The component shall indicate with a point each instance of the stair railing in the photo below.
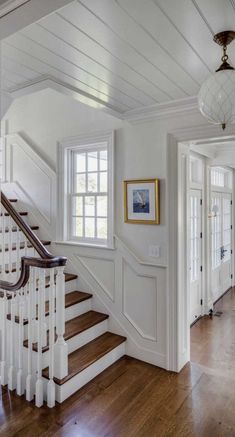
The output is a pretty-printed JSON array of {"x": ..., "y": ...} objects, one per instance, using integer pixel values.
[{"x": 32, "y": 310}]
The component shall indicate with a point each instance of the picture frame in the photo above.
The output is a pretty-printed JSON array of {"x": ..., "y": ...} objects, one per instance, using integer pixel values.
[{"x": 142, "y": 201}]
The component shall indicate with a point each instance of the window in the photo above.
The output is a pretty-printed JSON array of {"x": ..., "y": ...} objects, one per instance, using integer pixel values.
[
  {"x": 88, "y": 190},
  {"x": 221, "y": 177}
]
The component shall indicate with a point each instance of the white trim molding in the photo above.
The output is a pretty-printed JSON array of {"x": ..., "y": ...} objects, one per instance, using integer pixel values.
[{"x": 163, "y": 110}]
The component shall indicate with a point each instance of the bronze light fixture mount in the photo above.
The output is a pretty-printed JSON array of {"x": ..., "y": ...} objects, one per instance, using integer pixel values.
[{"x": 224, "y": 39}]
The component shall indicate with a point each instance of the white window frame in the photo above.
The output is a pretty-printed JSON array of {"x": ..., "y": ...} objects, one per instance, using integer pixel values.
[{"x": 65, "y": 147}]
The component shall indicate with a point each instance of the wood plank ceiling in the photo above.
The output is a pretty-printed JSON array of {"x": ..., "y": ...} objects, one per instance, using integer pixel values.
[{"x": 125, "y": 54}]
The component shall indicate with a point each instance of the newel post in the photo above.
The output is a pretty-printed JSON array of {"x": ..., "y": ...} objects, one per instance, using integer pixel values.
[{"x": 61, "y": 347}]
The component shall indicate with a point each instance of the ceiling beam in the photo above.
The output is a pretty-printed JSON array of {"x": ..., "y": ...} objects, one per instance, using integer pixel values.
[{"x": 25, "y": 13}]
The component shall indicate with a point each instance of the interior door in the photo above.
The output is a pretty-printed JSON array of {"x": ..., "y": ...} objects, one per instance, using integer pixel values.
[
  {"x": 221, "y": 239},
  {"x": 195, "y": 254}
]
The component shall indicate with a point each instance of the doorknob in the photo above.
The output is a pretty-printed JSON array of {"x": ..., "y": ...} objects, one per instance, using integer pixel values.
[{"x": 222, "y": 252}]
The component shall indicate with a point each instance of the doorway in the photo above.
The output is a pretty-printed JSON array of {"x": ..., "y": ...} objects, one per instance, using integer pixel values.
[
  {"x": 221, "y": 243},
  {"x": 217, "y": 150}
]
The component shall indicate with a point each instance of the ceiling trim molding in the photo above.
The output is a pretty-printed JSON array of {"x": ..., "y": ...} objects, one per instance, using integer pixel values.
[
  {"x": 163, "y": 110},
  {"x": 47, "y": 81}
]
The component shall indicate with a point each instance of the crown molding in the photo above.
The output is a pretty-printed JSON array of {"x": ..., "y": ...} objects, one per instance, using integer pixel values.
[{"x": 163, "y": 110}]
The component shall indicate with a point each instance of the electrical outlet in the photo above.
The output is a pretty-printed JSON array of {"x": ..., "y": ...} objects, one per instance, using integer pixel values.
[{"x": 154, "y": 251}]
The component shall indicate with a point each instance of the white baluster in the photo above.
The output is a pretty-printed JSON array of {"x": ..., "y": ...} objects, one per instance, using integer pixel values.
[
  {"x": 41, "y": 309},
  {"x": 12, "y": 370},
  {"x": 19, "y": 383},
  {"x": 17, "y": 251},
  {"x": 51, "y": 384},
  {"x": 10, "y": 247},
  {"x": 3, "y": 244},
  {"x": 61, "y": 347},
  {"x": 4, "y": 376},
  {"x": 29, "y": 378}
]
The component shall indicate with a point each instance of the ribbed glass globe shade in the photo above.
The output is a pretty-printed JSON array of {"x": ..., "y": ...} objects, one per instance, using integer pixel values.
[{"x": 216, "y": 97}]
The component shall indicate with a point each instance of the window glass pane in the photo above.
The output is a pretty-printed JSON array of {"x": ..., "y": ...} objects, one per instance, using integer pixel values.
[
  {"x": 90, "y": 227},
  {"x": 103, "y": 160},
  {"x": 89, "y": 206},
  {"x": 81, "y": 162},
  {"x": 92, "y": 182},
  {"x": 102, "y": 228},
  {"x": 103, "y": 182},
  {"x": 77, "y": 206},
  {"x": 78, "y": 226},
  {"x": 102, "y": 206},
  {"x": 92, "y": 161},
  {"x": 80, "y": 183}
]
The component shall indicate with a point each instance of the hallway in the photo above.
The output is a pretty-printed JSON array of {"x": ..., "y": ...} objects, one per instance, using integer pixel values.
[
  {"x": 213, "y": 340},
  {"x": 135, "y": 399}
]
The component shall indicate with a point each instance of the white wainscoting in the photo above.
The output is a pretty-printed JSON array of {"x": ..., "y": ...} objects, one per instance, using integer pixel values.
[
  {"x": 132, "y": 292},
  {"x": 34, "y": 182}
]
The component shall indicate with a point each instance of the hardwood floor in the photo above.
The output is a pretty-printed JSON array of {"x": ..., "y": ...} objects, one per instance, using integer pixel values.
[{"x": 134, "y": 399}]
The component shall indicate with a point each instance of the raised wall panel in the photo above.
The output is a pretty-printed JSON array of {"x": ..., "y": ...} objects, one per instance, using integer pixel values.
[{"x": 140, "y": 301}]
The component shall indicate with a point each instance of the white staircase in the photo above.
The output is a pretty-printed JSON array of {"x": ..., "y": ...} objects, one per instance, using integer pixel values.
[{"x": 52, "y": 340}]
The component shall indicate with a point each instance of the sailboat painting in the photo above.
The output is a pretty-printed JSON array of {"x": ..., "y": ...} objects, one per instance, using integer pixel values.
[{"x": 141, "y": 201}]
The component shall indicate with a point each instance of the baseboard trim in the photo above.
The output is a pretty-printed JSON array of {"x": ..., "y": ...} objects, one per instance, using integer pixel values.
[{"x": 222, "y": 295}]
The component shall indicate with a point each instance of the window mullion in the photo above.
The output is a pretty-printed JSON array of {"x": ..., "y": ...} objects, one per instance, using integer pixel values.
[{"x": 96, "y": 216}]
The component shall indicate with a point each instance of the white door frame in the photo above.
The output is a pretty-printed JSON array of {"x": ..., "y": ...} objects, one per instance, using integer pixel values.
[{"x": 177, "y": 301}]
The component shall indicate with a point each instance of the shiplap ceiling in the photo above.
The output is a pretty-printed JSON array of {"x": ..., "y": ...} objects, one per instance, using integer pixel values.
[{"x": 121, "y": 54}]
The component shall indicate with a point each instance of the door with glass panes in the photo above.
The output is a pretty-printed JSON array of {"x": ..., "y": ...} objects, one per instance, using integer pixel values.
[
  {"x": 195, "y": 254},
  {"x": 221, "y": 239}
]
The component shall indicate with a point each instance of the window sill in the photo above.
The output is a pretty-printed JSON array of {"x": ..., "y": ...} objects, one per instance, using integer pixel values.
[{"x": 79, "y": 244}]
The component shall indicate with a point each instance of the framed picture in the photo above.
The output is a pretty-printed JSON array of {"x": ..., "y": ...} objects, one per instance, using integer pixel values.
[{"x": 141, "y": 201}]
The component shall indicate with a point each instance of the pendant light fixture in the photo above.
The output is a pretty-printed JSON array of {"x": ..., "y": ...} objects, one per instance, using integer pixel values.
[{"x": 216, "y": 99}]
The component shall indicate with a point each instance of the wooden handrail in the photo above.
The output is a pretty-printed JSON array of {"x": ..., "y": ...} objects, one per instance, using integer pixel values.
[
  {"x": 46, "y": 261},
  {"x": 25, "y": 228}
]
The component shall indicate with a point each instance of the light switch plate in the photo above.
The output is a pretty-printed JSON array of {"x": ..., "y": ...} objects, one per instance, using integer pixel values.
[{"x": 154, "y": 251}]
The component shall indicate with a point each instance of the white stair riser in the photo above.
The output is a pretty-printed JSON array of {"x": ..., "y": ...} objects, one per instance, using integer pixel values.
[
  {"x": 70, "y": 313},
  {"x": 5, "y": 220},
  {"x": 74, "y": 343},
  {"x": 13, "y": 255},
  {"x": 78, "y": 309},
  {"x": 14, "y": 236},
  {"x": 66, "y": 390}
]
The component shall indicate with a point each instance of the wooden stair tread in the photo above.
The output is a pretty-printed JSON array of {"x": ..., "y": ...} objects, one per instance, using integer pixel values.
[
  {"x": 76, "y": 326},
  {"x": 22, "y": 213},
  {"x": 33, "y": 228},
  {"x": 22, "y": 246},
  {"x": 68, "y": 277},
  {"x": 71, "y": 299},
  {"x": 88, "y": 354}
]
